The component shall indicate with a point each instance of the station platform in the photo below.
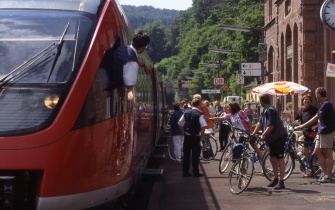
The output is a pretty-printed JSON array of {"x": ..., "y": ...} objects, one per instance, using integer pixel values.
[{"x": 171, "y": 191}]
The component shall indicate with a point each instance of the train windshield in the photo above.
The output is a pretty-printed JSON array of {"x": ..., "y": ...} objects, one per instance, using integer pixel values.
[
  {"x": 41, "y": 52},
  {"x": 41, "y": 47}
]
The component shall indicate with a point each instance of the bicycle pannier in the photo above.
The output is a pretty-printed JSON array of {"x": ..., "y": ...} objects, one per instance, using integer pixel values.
[{"x": 237, "y": 151}]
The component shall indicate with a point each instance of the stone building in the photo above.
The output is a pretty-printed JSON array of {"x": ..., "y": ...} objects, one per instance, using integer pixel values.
[{"x": 299, "y": 46}]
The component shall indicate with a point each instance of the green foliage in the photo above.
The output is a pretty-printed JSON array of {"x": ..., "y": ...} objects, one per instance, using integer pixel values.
[
  {"x": 142, "y": 15},
  {"x": 184, "y": 47}
]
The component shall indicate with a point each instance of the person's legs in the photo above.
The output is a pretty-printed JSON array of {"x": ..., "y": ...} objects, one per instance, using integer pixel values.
[
  {"x": 177, "y": 146},
  {"x": 320, "y": 156},
  {"x": 196, "y": 149},
  {"x": 329, "y": 161},
  {"x": 187, "y": 155},
  {"x": 257, "y": 150},
  {"x": 326, "y": 144}
]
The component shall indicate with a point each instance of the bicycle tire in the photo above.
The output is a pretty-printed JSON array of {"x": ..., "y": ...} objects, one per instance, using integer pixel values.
[
  {"x": 240, "y": 175},
  {"x": 215, "y": 147},
  {"x": 226, "y": 158},
  {"x": 267, "y": 167},
  {"x": 207, "y": 145}
]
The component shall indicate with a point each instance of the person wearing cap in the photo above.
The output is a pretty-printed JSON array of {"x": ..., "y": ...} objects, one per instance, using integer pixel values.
[{"x": 248, "y": 111}]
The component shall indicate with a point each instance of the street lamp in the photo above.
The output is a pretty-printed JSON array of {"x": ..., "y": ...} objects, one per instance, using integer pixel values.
[
  {"x": 227, "y": 52},
  {"x": 261, "y": 45}
]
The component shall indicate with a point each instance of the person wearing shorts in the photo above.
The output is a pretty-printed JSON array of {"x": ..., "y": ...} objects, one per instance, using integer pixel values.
[
  {"x": 326, "y": 131},
  {"x": 275, "y": 135}
]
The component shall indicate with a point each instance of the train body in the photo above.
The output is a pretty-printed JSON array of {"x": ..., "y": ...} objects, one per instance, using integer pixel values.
[{"x": 67, "y": 141}]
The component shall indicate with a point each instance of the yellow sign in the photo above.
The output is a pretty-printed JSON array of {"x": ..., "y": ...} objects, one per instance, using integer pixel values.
[{"x": 226, "y": 88}]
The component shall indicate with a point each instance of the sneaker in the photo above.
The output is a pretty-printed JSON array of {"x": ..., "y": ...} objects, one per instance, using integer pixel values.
[
  {"x": 325, "y": 179},
  {"x": 279, "y": 185},
  {"x": 198, "y": 175},
  {"x": 321, "y": 178},
  {"x": 273, "y": 183},
  {"x": 186, "y": 174},
  {"x": 308, "y": 174}
]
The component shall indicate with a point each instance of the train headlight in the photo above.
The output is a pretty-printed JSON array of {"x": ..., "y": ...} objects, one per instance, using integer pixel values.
[{"x": 51, "y": 101}]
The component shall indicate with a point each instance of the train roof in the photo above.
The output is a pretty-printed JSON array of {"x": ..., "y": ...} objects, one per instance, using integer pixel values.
[{"x": 90, "y": 6}]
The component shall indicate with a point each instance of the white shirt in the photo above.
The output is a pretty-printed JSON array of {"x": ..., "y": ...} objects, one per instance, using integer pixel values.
[
  {"x": 130, "y": 71},
  {"x": 202, "y": 120}
]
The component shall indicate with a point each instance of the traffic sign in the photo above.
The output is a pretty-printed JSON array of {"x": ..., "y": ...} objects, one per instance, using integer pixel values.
[
  {"x": 251, "y": 66},
  {"x": 251, "y": 69},
  {"x": 262, "y": 47},
  {"x": 226, "y": 88},
  {"x": 239, "y": 79},
  {"x": 252, "y": 73},
  {"x": 211, "y": 91},
  {"x": 218, "y": 81}
]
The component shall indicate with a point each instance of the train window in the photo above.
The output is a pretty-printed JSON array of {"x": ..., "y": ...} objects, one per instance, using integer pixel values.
[{"x": 41, "y": 47}]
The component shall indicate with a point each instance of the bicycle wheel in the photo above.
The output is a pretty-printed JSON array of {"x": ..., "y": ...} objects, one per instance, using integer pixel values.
[
  {"x": 208, "y": 147},
  {"x": 267, "y": 166},
  {"x": 214, "y": 143},
  {"x": 240, "y": 175},
  {"x": 226, "y": 158}
]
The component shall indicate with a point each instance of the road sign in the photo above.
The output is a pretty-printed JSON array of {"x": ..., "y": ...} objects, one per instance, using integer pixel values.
[
  {"x": 239, "y": 79},
  {"x": 261, "y": 57},
  {"x": 251, "y": 69},
  {"x": 218, "y": 81},
  {"x": 211, "y": 91},
  {"x": 252, "y": 73},
  {"x": 262, "y": 47},
  {"x": 251, "y": 66},
  {"x": 226, "y": 88}
]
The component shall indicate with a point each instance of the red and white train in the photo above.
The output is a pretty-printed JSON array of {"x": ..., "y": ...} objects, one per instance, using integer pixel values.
[{"x": 66, "y": 140}]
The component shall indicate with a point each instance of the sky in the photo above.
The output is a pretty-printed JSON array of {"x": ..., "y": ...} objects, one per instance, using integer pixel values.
[{"x": 160, "y": 4}]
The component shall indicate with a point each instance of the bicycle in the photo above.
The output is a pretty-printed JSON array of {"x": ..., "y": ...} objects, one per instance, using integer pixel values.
[
  {"x": 227, "y": 153},
  {"x": 209, "y": 146},
  {"x": 242, "y": 171},
  {"x": 291, "y": 154}
]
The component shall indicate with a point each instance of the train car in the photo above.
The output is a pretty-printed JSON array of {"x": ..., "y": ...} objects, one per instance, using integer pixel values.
[{"x": 67, "y": 140}]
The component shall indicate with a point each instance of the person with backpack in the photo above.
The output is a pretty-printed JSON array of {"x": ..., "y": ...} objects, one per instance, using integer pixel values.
[{"x": 192, "y": 125}]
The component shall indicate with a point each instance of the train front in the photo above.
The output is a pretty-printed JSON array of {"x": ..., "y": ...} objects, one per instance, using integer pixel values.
[{"x": 41, "y": 52}]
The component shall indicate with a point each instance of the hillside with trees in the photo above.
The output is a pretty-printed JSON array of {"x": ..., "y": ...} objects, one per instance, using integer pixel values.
[
  {"x": 183, "y": 46},
  {"x": 142, "y": 15}
]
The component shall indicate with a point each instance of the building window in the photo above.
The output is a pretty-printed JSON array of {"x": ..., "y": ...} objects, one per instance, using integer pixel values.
[{"x": 287, "y": 7}]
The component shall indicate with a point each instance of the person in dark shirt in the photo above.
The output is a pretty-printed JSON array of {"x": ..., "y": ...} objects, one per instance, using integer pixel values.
[
  {"x": 177, "y": 136},
  {"x": 326, "y": 131},
  {"x": 275, "y": 135},
  {"x": 308, "y": 111},
  {"x": 125, "y": 61}
]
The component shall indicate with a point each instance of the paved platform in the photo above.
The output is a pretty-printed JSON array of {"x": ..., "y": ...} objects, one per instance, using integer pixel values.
[{"x": 171, "y": 191}]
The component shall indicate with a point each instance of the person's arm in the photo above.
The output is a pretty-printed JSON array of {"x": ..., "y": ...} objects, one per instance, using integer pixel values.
[
  {"x": 257, "y": 128},
  {"x": 310, "y": 122},
  {"x": 215, "y": 118},
  {"x": 147, "y": 69}
]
